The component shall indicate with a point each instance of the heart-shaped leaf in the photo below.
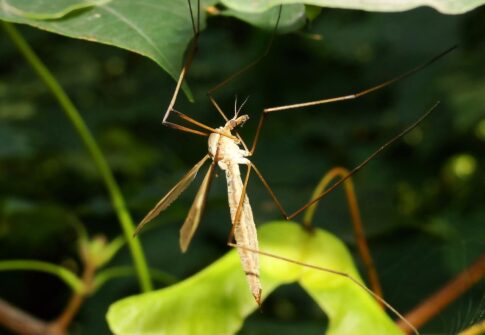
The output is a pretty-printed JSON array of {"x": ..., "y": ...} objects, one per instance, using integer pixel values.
[
  {"x": 160, "y": 30},
  {"x": 217, "y": 300}
]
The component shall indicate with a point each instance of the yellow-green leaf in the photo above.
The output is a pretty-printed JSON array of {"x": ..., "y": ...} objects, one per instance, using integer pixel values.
[{"x": 217, "y": 300}]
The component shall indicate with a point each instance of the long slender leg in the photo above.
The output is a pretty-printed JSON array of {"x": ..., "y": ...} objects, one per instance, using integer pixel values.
[
  {"x": 253, "y": 63},
  {"x": 354, "y": 212},
  {"x": 183, "y": 73},
  {"x": 318, "y": 197},
  {"x": 376, "y": 293},
  {"x": 356, "y": 219},
  {"x": 242, "y": 71},
  {"x": 266, "y": 111},
  {"x": 338, "y": 273},
  {"x": 364, "y": 163},
  {"x": 363, "y": 92},
  {"x": 190, "y": 57},
  {"x": 237, "y": 216},
  {"x": 244, "y": 229},
  {"x": 344, "y": 178},
  {"x": 200, "y": 124}
]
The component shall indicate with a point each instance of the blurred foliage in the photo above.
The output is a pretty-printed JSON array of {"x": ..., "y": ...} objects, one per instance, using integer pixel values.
[{"x": 422, "y": 201}]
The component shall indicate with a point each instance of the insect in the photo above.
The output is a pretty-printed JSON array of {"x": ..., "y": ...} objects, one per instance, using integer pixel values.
[{"x": 227, "y": 150}]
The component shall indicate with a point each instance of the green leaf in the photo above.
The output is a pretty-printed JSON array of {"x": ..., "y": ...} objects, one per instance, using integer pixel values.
[
  {"x": 64, "y": 274},
  {"x": 443, "y": 6},
  {"x": 98, "y": 251},
  {"x": 45, "y": 9},
  {"x": 293, "y": 17},
  {"x": 217, "y": 299},
  {"x": 159, "y": 30}
]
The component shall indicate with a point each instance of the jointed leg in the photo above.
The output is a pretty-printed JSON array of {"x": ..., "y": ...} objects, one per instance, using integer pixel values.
[
  {"x": 364, "y": 163},
  {"x": 244, "y": 231},
  {"x": 362, "y": 246},
  {"x": 354, "y": 212},
  {"x": 376, "y": 292},
  {"x": 345, "y": 177},
  {"x": 318, "y": 197},
  {"x": 190, "y": 56},
  {"x": 338, "y": 273},
  {"x": 253, "y": 63},
  {"x": 191, "y": 53},
  {"x": 363, "y": 92},
  {"x": 237, "y": 216},
  {"x": 200, "y": 124},
  {"x": 342, "y": 98},
  {"x": 242, "y": 71}
]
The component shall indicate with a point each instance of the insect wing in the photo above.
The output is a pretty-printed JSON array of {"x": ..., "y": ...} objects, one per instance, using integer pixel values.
[
  {"x": 173, "y": 194},
  {"x": 193, "y": 218}
]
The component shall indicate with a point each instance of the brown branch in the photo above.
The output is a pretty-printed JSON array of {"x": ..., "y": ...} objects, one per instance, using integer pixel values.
[
  {"x": 446, "y": 295},
  {"x": 21, "y": 322},
  {"x": 61, "y": 324}
]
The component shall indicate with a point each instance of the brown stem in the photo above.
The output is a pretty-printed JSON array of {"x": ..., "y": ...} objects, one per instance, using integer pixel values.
[
  {"x": 356, "y": 219},
  {"x": 61, "y": 324},
  {"x": 447, "y": 294},
  {"x": 21, "y": 322}
]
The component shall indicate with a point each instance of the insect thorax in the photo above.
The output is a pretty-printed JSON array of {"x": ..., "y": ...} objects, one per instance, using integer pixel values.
[{"x": 225, "y": 150}]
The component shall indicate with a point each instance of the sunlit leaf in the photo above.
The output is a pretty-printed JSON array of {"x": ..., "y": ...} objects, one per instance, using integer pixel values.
[
  {"x": 104, "y": 276},
  {"x": 444, "y": 6},
  {"x": 44, "y": 9},
  {"x": 217, "y": 299}
]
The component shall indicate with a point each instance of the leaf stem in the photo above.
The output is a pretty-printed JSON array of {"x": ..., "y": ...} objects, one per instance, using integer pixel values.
[
  {"x": 446, "y": 295},
  {"x": 21, "y": 322},
  {"x": 29, "y": 265},
  {"x": 83, "y": 131}
]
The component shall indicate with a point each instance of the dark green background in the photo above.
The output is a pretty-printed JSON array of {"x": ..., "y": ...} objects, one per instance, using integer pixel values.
[{"x": 424, "y": 221}]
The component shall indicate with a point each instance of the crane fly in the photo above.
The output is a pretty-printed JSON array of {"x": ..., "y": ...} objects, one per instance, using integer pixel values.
[
  {"x": 227, "y": 150},
  {"x": 227, "y": 154}
]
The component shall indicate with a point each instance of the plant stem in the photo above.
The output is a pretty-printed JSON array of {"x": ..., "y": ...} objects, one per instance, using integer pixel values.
[
  {"x": 21, "y": 322},
  {"x": 446, "y": 295},
  {"x": 356, "y": 219},
  {"x": 30, "y": 265},
  {"x": 61, "y": 324},
  {"x": 74, "y": 116}
]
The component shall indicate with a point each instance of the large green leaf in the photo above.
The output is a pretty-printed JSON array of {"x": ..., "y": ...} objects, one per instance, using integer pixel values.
[
  {"x": 216, "y": 300},
  {"x": 160, "y": 30},
  {"x": 444, "y": 6},
  {"x": 43, "y": 9}
]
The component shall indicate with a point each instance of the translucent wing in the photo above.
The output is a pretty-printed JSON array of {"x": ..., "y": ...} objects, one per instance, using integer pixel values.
[
  {"x": 193, "y": 218},
  {"x": 173, "y": 194}
]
